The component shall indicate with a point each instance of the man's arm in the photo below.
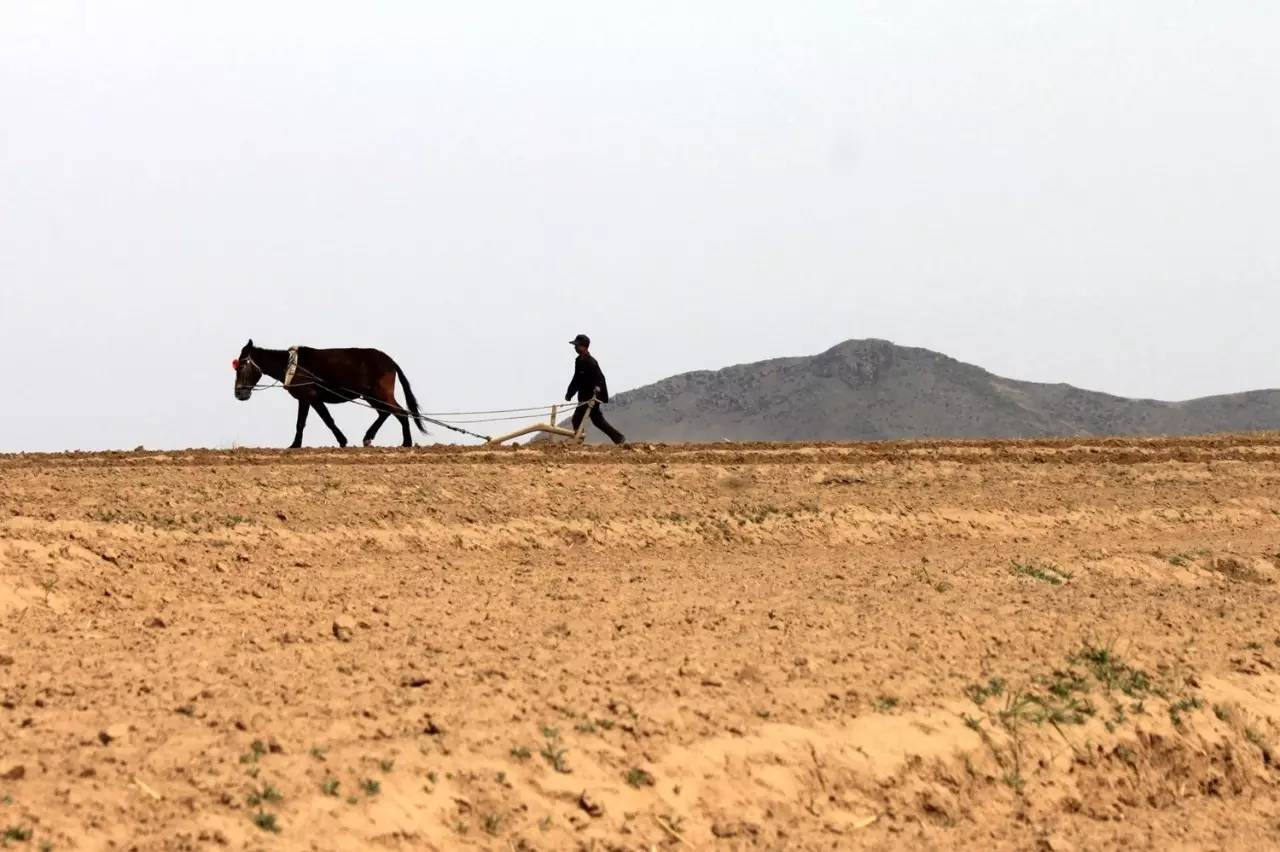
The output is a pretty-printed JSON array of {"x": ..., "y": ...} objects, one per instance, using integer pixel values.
[{"x": 573, "y": 385}]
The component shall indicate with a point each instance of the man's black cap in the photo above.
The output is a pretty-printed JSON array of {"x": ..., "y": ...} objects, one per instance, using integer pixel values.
[{"x": 580, "y": 340}]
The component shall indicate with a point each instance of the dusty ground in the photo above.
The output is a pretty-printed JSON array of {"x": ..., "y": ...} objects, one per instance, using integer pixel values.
[{"x": 1047, "y": 645}]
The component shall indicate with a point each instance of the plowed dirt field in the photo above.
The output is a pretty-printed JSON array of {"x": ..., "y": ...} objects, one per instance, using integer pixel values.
[{"x": 1055, "y": 645}]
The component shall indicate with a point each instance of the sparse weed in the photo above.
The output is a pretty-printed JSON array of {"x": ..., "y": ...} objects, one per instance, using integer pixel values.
[
  {"x": 491, "y": 823},
  {"x": 386, "y": 765},
  {"x": 1045, "y": 572},
  {"x": 884, "y": 704},
  {"x": 939, "y": 586},
  {"x": 1015, "y": 781},
  {"x": 16, "y": 832},
  {"x": 370, "y": 787},
  {"x": 1182, "y": 560},
  {"x": 978, "y": 693},
  {"x": 1183, "y": 705},
  {"x": 1113, "y": 673},
  {"x": 1065, "y": 684},
  {"x": 521, "y": 753},
  {"x": 330, "y": 786}
]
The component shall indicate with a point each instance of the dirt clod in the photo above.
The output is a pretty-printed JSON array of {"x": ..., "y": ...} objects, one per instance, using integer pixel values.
[{"x": 344, "y": 628}]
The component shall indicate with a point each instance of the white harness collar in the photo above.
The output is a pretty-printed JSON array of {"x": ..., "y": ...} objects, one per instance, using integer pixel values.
[{"x": 293, "y": 365}]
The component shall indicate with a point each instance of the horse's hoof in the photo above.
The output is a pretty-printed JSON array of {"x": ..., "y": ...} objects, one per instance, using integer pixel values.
[{"x": 368, "y": 443}]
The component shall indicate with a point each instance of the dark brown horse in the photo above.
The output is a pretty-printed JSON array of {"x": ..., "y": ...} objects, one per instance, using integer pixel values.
[{"x": 320, "y": 377}]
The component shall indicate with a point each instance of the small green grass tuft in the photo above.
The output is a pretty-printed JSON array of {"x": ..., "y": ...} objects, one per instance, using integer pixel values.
[
  {"x": 330, "y": 786},
  {"x": 552, "y": 751},
  {"x": 638, "y": 778},
  {"x": 556, "y": 756},
  {"x": 370, "y": 787},
  {"x": 266, "y": 822},
  {"x": 268, "y": 793}
]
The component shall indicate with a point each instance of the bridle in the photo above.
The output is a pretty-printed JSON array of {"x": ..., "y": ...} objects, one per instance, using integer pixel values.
[{"x": 247, "y": 361}]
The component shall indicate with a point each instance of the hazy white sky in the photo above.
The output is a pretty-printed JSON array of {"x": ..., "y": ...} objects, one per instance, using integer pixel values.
[{"x": 1070, "y": 191}]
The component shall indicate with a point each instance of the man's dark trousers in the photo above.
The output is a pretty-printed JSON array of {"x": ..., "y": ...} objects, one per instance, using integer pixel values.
[{"x": 597, "y": 420}]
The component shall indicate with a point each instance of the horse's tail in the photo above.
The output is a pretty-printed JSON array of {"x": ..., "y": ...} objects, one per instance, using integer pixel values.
[{"x": 411, "y": 399}]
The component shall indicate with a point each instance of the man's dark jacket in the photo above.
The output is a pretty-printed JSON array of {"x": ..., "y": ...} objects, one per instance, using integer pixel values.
[{"x": 586, "y": 377}]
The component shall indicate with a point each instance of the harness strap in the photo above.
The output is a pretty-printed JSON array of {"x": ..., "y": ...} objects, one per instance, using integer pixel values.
[{"x": 293, "y": 365}]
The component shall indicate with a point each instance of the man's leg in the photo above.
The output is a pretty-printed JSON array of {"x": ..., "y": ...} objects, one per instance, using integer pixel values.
[
  {"x": 597, "y": 418},
  {"x": 579, "y": 412}
]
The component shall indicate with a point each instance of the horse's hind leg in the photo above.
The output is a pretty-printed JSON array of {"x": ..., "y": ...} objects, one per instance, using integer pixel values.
[
  {"x": 323, "y": 411},
  {"x": 377, "y": 424},
  {"x": 385, "y": 402}
]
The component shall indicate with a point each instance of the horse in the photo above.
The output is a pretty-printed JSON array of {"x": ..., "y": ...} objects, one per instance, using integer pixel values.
[{"x": 320, "y": 377}]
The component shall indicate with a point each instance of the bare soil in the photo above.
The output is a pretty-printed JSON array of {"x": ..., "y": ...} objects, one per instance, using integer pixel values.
[{"x": 1055, "y": 645}]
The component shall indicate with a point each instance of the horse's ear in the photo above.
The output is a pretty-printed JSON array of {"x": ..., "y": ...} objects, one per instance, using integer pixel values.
[{"x": 250, "y": 343}]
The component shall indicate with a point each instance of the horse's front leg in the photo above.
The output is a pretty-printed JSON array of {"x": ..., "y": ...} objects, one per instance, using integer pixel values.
[
  {"x": 303, "y": 408},
  {"x": 323, "y": 411}
]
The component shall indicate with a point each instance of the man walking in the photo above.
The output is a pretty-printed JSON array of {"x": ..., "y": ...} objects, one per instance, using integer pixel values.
[{"x": 588, "y": 382}]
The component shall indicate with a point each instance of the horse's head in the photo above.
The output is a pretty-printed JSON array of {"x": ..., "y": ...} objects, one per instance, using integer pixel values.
[{"x": 247, "y": 372}]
